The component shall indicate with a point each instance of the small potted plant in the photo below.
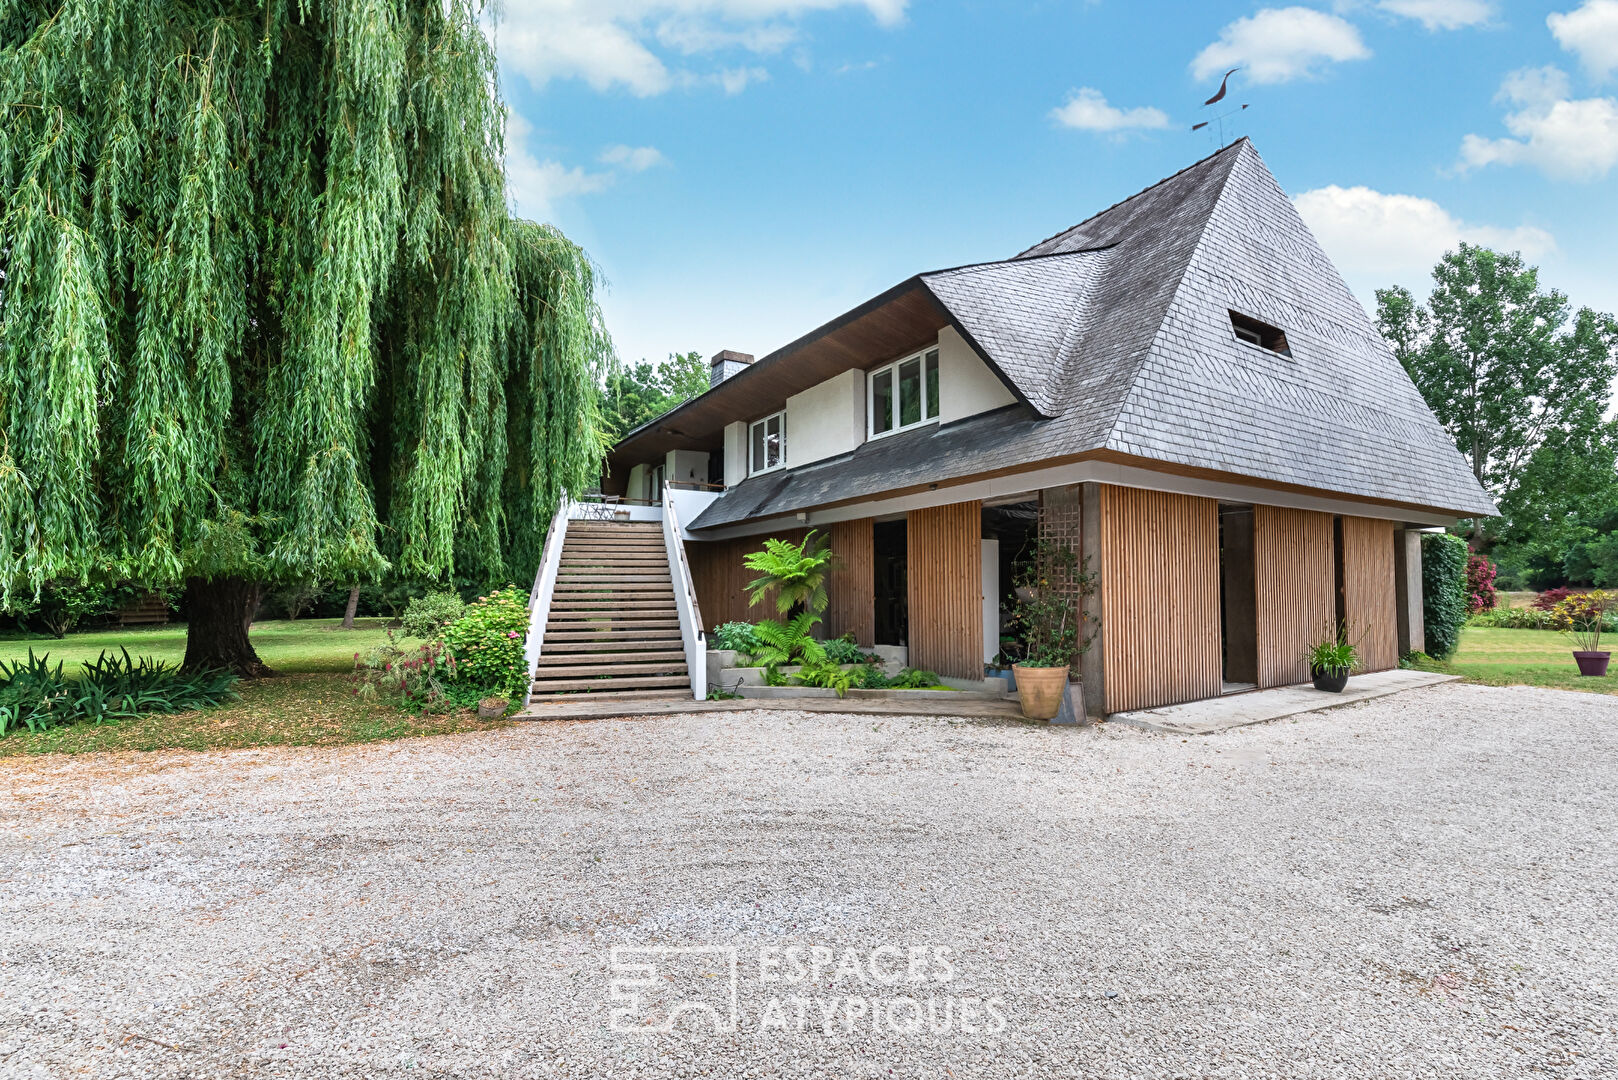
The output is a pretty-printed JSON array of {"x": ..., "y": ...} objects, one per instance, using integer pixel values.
[
  {"x": 1582, "y": 615},
  {"x": 1050, "y": 588},
  {"x": 492, "y": 708},
  {"x": 1331, "y": 660}
]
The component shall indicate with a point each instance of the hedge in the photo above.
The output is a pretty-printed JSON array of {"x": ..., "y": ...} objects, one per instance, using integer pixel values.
[{"x": 1443, "y": 592}]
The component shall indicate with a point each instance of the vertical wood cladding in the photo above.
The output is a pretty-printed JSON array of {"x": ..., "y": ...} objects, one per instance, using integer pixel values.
[
  {"x": 851, "y": 586},
  {"x": 1295, "y": 575},
  {"x": 1369, "y": 601},
  {"x": 1160, "y": 597},
  {"x": 721, "y": 579},
  {"x": 944, "y": 575}
]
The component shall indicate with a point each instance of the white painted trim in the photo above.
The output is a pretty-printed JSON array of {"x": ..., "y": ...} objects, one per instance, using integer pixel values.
[
  {"x": 1101, "y": 472},
  {"x": 539, "y": 600},
  {"x": 685, "y": 602},
  {"x": 765, "y": 419},
  {"x": 870, "y": 394}
]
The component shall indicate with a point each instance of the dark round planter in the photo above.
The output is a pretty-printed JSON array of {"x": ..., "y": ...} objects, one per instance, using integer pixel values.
[
  {"x": 1592, "y": 663},
  {"x": 1331, "y": 680}
]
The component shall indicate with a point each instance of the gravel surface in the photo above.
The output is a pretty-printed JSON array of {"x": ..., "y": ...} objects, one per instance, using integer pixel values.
[{"x": 1422, "y": 885}]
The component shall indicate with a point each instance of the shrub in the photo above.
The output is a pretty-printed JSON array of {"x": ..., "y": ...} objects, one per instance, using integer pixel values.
[
  {"x": 1523, "y": 618},
  {"x": 487, "y": 644},
  {"x": 826, "y": 675},
  {"x": 422, "y": 677},
  {"x": 843, "y": 650},
  {"x": 426, "y": 615},
  {"x": 112, "y": 687},
  {"x": 1547, "y": 600},
  {"x": 738, "y": 636},
  {"x": 789, "y": 643},
  {"x": 1480, "y": 575},
  {"x": 870, "y": 677},
  {"x": 63, "y": 604},
  {"x": 1443, "y": 587},
  {"x": 914, "y": 679}
]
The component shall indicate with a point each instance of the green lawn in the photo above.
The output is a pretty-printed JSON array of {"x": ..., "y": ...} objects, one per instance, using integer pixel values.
[
  {"x": 307, "y": 645},
  {"x": 1520, "y": 658},
  {"x": 310, "y": 703}
]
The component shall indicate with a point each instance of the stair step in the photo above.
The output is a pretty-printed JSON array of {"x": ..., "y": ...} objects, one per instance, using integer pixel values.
[
  {"x": 598, "y": 620},
  {"x": 568, "y": 585},
  {"x": 637, "y": 695},
  {"x": 615, "y": 526},
  {"x": 592, "y": 670},
  {"x": 632, "y": 647},
  {"x": 547, "y": 686},
  {"x": 663, "y": 656},
  {"x": 587, "y": 577}
]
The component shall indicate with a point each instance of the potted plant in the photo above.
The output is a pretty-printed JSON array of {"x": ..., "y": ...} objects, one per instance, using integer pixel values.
[
  {"x": 1050, "y": 588},
  {"x": 1583, "y": 615},
  {"x": 1331, "y": 660},
  {"x": 492, "y": 708}
]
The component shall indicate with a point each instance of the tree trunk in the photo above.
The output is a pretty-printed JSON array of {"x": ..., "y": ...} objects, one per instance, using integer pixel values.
[
  {"x": 353, "y": 606},
  {"x": 221, "y": 611}
]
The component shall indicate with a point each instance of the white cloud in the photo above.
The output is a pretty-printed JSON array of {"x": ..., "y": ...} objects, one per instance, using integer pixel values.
[
  {"x": 1441, "y": 14},
  {"x": 632, "y": 158},
  {"x": 1086, "y": 109},
  {"x": 1590, "y": 32},
  {"x": 1562, "y": 137},
  {"x": 610, "y": 43},
  {"x": 1279, "y": 44},
  {"x": 735, "y": 80},
  {"x": 1382, "y": 239}
]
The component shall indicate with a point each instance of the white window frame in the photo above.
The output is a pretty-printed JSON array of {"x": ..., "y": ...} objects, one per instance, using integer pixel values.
[
  {"x": 870, "y": 394},
  {"x": 781, "y": 416}
]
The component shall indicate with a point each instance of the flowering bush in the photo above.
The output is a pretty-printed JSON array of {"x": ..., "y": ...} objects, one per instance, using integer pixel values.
[
  {"x": 1480, "y": 575},
  {"x": 488, "y": 641},
  {"x": 422, "y": 677}
]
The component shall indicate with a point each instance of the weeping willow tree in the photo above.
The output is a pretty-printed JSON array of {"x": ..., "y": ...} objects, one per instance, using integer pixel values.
[{"x": 264, "y": 316}]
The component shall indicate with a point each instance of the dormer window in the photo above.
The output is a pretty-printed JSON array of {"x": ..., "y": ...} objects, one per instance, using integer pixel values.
[
  {"x": 1262, "y": 334},
  {"x": 904, "y": 394},
  {"x": 768, "y": 441}
]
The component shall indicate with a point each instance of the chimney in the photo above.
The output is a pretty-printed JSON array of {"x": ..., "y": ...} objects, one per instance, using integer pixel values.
[{"x": 725, "y": 363}]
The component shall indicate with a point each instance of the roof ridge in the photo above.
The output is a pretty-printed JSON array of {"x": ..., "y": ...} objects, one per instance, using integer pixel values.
[
  {"x": 1150, "y": 187},
  {"x": 1016, "y": 260}
]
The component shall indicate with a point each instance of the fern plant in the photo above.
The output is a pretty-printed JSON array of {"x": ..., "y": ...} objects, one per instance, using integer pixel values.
[
  {"x": 788, "y": 642},
  {"x": 793, "y": 573},
  {"x": 826, "y": 675}
]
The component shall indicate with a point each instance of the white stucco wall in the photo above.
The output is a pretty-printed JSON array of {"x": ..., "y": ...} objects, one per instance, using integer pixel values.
[
  {"x": 637, "y": 483},
  {"x": 966, "y": 386},
  {"x": 735, "y": 453},
  {"x": 685, "y": 467},
  {"x": 826, "y": 420}
]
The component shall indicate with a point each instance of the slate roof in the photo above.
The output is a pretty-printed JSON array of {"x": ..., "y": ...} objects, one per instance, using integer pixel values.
[{"x": 1116, "y": 334}]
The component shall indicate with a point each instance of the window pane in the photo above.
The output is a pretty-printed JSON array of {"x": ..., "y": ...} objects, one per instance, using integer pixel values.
[
  {"x": 932, "y": 385},
  {"x": 910, "y": 392},
  {"x": 758, "y": 447},
  {"x": 772, "y": 442},
  {"x": 882, "y": 403}
]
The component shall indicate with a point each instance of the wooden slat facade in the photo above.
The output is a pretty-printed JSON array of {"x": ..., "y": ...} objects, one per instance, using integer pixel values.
[
  {"x": 1159, "y": 597},
  {"x": 944, "y": 580},
  {"x": 1369, "y": 603},
  {"x": 721, "y": 579},
  {"x": 851, "y": 588},
  {"x": 1295, "y": 574}
]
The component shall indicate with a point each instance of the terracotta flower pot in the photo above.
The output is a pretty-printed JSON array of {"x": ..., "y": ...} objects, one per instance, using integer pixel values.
[
  {"x": 1592, "y": 663},
  {"x": 1331, "y": 680},
  {"x": 1040, "y": 690}
]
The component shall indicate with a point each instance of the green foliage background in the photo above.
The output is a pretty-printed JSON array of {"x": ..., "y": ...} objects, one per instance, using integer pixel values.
[
  {"x": 265, "y": 312},
  {"x": 1443, "y": 592}
]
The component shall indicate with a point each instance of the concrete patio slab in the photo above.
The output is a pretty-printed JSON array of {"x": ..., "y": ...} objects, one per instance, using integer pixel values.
[{"x": 1262, "y": 706}]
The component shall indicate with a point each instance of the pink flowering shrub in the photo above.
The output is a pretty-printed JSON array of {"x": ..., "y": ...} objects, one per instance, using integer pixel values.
[
  {"x": 423, "y": 677},
  {"x": 1480, "y": 575},
  {"x": 487, "y": 642}
]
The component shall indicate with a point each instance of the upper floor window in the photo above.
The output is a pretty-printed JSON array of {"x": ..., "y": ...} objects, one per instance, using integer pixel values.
[
  {"x": 1262, "y": 334},
  {"x": 768, "y": 440},
  {"x": 904, "y": 393}
]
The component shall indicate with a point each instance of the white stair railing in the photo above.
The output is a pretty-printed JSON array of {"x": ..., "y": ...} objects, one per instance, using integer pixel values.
[
  {"x": 539, "y": 600},
  {"x": 685, "y": 602}
]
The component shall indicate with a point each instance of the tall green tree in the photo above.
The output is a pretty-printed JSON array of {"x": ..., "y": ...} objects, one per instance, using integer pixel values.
[
  {"x": 1521, "y": 384},
  {"x": 265, "y": 316},
  {"x": 635, "y": 394}
]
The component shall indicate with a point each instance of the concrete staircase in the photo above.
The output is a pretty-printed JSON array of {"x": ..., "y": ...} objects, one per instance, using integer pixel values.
[{"x": 612, "y": 628}]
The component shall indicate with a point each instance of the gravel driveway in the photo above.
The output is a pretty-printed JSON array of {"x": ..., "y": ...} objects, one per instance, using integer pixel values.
[{"x": 1422, "y": 885}]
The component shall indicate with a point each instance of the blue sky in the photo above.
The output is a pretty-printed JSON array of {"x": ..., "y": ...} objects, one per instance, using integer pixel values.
[{"x": 744, "y": 170}]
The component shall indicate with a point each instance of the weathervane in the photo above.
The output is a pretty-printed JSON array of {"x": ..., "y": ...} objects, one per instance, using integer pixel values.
[{"x": 1224, "y": 85}]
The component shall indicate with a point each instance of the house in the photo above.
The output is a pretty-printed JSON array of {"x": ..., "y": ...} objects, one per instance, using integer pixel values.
[{"x": 1181, "y": 387}]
